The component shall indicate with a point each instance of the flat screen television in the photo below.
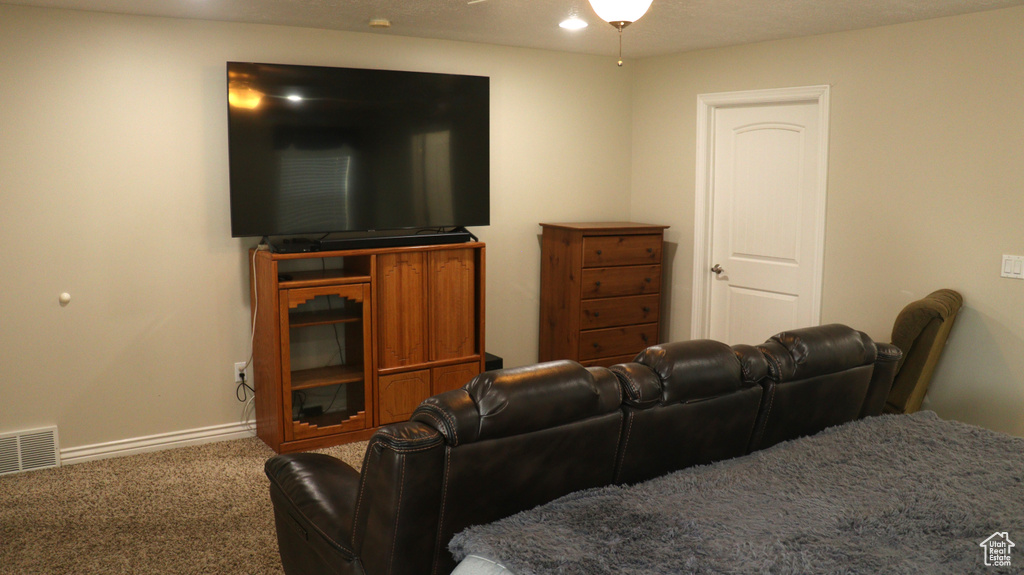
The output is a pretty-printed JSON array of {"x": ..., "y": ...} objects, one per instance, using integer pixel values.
[{"x": 318, "y": 150}]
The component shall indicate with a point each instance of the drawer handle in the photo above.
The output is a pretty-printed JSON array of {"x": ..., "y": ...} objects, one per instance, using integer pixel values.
[
  {"x": 643, "y": 336},
  {"x": 598, "y": 252},
  {"x": 596, "y": 345},
  {"x": 650, "y": 250},
  {"x": 646, "y": 309},
  {"x": 597, "y": 284},
  {"x": 597, "y": 314},
  {"x": 647, "y": 280}
]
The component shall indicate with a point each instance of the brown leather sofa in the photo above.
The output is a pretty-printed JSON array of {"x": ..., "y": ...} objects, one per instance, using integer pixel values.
[{"x": 516, "y": 438}]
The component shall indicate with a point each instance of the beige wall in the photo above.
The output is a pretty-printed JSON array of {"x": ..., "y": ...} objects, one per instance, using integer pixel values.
[
  {"x": 114, "y": 188},
  {"x": 926, "y": 182}
]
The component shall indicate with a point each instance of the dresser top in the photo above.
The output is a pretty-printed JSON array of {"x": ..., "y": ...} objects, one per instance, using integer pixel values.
[{"x": 610, "y": 227}]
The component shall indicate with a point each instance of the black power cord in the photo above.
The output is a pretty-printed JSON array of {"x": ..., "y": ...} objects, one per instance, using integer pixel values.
[{"x": 240, "y": 389}]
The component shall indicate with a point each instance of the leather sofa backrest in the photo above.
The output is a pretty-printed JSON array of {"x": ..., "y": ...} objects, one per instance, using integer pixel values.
[
  {"x": 517, "y": 438},
  {"x": 817, "y": 377},
  {"x": 515, "y": 401},
  {"x": 687, "y": 403}
]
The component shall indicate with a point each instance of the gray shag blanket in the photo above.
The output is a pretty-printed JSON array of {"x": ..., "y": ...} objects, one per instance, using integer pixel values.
[{"x": 890, "y": 494}]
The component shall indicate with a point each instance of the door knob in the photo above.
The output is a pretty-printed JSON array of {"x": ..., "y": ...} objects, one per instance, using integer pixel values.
[{"x": 717, "y": 269}]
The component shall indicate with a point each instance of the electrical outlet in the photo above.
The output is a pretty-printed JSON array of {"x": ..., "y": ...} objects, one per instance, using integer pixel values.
[{"x": 239, "y": 371}]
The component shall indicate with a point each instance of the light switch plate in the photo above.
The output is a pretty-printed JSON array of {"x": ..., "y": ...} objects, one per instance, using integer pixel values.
[{"x": 1013, "y": 267}]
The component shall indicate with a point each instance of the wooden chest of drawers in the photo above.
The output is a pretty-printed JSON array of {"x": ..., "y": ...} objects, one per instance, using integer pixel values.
[{"x": 600, "y": 287}]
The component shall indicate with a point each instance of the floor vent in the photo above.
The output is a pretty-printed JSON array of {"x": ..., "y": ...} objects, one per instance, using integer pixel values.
[{"x": 28, "y": 450}]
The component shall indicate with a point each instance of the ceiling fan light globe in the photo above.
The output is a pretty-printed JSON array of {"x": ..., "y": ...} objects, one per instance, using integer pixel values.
[{"x": 626, "y": 11}]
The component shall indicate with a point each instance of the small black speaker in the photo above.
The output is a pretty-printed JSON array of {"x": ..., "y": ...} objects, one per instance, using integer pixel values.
[{"x": 491, "y": 362}]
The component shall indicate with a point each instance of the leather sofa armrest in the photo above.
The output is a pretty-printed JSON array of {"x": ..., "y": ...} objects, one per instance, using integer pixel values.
[
  {"x": 395, "y": 529},
  {"x": 889, "y": 358},
  {"x": 319, "y": 493}
]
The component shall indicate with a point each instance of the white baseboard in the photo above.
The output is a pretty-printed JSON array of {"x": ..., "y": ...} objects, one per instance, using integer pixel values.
[{"x": 156, "y": 442}]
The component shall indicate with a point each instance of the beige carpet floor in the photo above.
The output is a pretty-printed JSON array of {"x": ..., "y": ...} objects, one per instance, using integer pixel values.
[{"x": 201, "y": 509}]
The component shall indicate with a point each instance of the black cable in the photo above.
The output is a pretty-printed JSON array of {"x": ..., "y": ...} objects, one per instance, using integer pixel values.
[
  {"x": 301, "y": 396},
  {"x": 242, "y": 387}
]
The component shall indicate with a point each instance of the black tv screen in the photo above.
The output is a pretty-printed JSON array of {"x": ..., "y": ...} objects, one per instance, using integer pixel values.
[{"x": 321, "y": 150}]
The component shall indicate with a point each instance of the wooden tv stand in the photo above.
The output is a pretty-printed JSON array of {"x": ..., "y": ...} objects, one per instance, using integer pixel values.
[{"x": 346, "y": 341}]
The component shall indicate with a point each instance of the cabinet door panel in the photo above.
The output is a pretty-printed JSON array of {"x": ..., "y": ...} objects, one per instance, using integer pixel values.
[
  {"x": 452, "y": 377},
  {"x": 401, "y": 304},
  {"x": 401, "y": 393},
  {"x": 305, "y": 314},
  {"x": 452, "y": 304}
]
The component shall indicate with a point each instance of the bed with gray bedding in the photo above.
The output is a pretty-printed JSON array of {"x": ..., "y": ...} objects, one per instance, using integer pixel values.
[{"x": 889, "y": 494}]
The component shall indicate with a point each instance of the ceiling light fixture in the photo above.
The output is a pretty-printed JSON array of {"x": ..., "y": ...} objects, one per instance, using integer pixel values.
[{"x": 620, "y": 13}]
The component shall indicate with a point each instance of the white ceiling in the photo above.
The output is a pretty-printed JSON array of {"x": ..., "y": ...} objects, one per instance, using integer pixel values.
[{"x": 670, "y": 26}]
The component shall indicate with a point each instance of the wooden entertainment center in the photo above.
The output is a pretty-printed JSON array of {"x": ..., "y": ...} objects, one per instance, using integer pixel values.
[{"x": 346, "y": 341}]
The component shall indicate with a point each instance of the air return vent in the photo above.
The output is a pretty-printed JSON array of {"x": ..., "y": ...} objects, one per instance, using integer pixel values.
[{"x": 27, "y": 450}]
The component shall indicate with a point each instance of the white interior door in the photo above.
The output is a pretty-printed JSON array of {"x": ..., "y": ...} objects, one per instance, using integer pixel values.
[{"x": 764, "y": 169}]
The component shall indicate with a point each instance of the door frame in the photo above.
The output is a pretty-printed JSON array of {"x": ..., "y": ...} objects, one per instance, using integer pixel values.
[{"x": 707, "y": 107}]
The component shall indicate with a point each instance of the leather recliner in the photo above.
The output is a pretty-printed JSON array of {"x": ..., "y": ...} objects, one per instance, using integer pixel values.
[
  {"x": 507, "y": 441},
  {"x": 920, "y": 331}
]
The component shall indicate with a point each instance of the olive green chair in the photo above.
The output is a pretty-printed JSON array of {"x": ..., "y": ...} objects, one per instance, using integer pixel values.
[{"x": 920, "y": 332}]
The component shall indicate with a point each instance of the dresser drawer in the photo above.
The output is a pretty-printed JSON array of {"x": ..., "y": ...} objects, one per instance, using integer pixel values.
[
  {"x": 627, "y": 280},
  {"x": 608, "y": 361},
  {"x": 601, "y": 251},
  {"x": 617, "y": 340},
  {"x": 611, "y": 312}
]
